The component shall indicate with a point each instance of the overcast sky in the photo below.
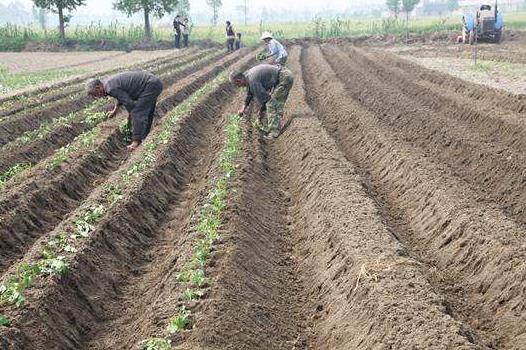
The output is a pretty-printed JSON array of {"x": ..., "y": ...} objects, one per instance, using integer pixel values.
[{"x": 101, "y": 7}]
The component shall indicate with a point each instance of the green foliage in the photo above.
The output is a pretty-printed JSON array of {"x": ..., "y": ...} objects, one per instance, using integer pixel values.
[
  {"x": 393, "y": 6},
  {"x": 12, "y": 81},
  {"x": 215, "y": 5},
  {"x": 452, "y": 5},
  {"x": 13, "y": 291},
  {"x": 181, "y": 321},
  {"x": 156, "y": 7},
  {"x": 156, "y": 344},
  {"x": 192, "y": 294},
  {"x": 12, "y": 172},
  {"x": 55, "y": 5},
  {"x": 4, "y": 322},
  {"x": 409, "y": 5}
]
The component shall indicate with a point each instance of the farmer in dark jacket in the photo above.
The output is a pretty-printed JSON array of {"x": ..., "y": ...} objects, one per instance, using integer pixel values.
[
  {"x": 138, "y": 92},
  {"x": 178, "y": 24},
  {"x": 270, "y": 86}
]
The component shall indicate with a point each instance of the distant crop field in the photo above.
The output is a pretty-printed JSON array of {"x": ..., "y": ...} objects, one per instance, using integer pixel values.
[{"x": 15, "y": 38}]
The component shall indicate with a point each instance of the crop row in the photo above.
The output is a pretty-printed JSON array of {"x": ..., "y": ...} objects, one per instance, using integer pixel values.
[
  {"x": 92, "y": 117},
  {"x": 57, "y": 251},
  {"x": 64, "y": 85},
  {"x": 32, "y": 103},
  {"x": 193, "y": 273}
]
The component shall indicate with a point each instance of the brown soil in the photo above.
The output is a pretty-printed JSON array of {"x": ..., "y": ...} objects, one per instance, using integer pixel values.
[
  {"x": 62, "y": 135},
  {"x": 43, "y": 202},
  {"x": 15, "y": 125},
  {"x": 389, "y": 214},
  {"x": 470, "y": 244}
]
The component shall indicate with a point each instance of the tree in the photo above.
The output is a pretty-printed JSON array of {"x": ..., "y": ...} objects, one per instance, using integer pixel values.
[
  {"x": 408, "y": 6},
  {"x": 183, "y": 8},
  {"x": 156, "y": 7},
  {"x": 452, "y": 5},
  {"x": 40, "y": 16},
  {"x": 215, "y": 5},
  {"x": 243, "y": 10},
  {"x": 393, "y": 6},
  {"x": 59, "y": 6}
]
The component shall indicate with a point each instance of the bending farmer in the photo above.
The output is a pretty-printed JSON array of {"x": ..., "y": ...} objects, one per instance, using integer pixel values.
[
  {"x": 276, "y": 51},
  {"x": 138, "y": 92},
  {"x": 270, "y": 85}
]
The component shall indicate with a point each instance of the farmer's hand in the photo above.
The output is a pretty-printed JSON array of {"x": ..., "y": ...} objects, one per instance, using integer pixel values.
[{"x": 113, "y": 112}]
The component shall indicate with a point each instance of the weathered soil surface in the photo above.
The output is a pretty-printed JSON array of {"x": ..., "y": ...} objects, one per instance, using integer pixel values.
[{"x": 389, "y": 214}]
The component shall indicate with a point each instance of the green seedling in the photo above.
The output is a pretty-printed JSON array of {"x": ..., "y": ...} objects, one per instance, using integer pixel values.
[
  {"x": 201, "y": 252},
  {"x": 54, "y": 266},
  {"x": 180, "y": 322},
  {"x": 12, "y": 172},
  {"x": 4, "y": 322},
  {"x": 156, "y": 344},
  {"x": 192, "y": 294}
]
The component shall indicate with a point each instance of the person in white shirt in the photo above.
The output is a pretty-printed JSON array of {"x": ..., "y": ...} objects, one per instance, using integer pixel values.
[{"x": 276, "y": 50}]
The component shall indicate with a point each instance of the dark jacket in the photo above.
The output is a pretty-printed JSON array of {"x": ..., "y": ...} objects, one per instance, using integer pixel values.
[
  {"x": 127, "y": 87},
  {"x": 261, "y": 79}
]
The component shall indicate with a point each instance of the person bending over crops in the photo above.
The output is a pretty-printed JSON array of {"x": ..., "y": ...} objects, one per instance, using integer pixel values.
[
  {"x": 270, "y": 85},
  {"x": 138, "y": 92},
  {"x": 276, "y": 51}
]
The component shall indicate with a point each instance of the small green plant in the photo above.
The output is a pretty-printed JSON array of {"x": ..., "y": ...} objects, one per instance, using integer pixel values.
[
  {"x": 192, "y": 294},
  {"x": 4, "y": 322},
  {"x": 12, "y": 172},
  {"x": 156, "y": 344},
  {"x": 181, "y": 321}
]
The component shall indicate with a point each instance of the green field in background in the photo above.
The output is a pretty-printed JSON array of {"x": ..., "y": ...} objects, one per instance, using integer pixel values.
[{"x": 14, "y": 38}]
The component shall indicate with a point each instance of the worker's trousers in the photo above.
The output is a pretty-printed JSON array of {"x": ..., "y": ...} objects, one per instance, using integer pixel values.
[
  {"x": 143, "y": 112},
  {"x": 277, "y": 101}
]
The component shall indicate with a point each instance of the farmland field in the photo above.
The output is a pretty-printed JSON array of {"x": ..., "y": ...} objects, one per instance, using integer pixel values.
[{"x": 389, "y": 214}]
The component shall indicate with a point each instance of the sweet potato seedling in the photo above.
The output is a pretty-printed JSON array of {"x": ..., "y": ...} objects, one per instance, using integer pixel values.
[
  {"x": 181, "y": 321},
  {"x": 156, "y": 344},
  {"x": 4, "y": 322}
]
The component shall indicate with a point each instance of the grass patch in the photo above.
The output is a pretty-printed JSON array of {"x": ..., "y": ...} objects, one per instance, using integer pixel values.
[
  {"x": 15, "y": 37},
  {"x": 13, "y": 81}
]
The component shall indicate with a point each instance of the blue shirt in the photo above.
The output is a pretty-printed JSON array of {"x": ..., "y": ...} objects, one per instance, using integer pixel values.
[{"x": 276, "y": 49}]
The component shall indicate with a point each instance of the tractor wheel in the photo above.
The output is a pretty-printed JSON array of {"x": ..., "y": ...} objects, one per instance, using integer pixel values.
[{"x": 498, "y": 37}]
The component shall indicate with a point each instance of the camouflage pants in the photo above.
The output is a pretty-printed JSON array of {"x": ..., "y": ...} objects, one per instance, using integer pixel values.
[{"x": 278, "y": 99}]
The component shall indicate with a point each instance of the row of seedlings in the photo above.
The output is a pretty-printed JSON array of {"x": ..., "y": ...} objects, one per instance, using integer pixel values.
[
  {"x": 84, "y": 140},
  {"x": 38, "y": 101},
  {"x": 53, "y": 259},
  {"x": 32, "y": 104},
  {"x": 193, "y": 273}
]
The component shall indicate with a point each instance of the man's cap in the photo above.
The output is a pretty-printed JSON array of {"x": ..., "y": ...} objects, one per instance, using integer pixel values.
[{"x": 266, "y": 35}]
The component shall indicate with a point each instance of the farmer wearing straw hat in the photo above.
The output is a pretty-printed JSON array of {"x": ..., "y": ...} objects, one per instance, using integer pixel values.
[
  {"x": 276, "y": 51},
  {"x": 270, "y": 85}
]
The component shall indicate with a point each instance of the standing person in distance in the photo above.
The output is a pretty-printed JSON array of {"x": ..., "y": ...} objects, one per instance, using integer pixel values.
[
  {"x": 137, "y": 91},
  {"x": 186, "y": 31},
  {"x": 177, "y": 26},
  {"x": 238, "y": 41},
  {"x": 275, "y": 50},
  {"x": 230, "y": 36}
]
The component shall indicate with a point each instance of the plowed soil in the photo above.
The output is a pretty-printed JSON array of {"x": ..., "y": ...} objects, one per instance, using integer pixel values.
[{"x": 389, "y": 214}]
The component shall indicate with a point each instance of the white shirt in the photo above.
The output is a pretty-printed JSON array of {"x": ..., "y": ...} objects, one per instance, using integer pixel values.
[{"x": 276, "y": 49}]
